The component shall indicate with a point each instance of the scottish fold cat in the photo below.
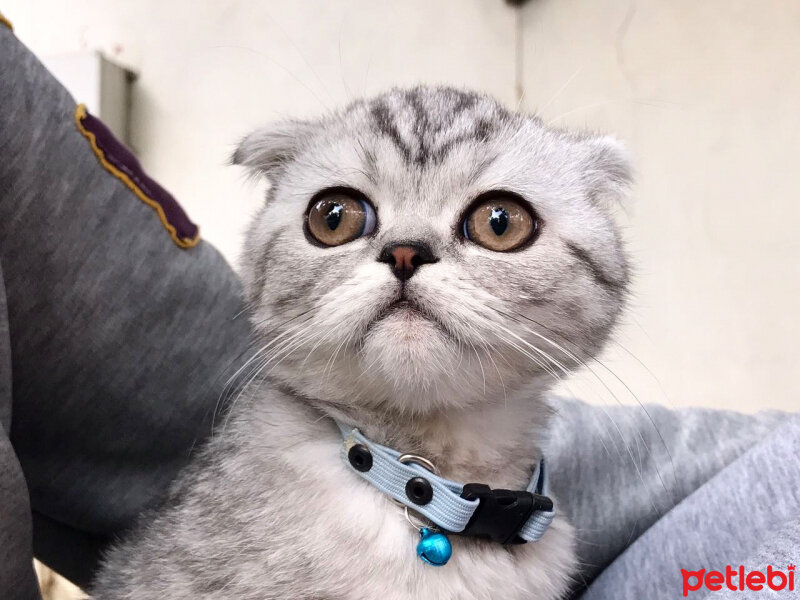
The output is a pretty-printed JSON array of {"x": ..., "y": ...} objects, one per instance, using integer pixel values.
[{"x": 425, "y": 266}]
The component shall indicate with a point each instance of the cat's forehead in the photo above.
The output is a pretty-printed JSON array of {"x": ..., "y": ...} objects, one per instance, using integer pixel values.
[
  {"x": 425, "y": 125},
  {"x": 424, "y": 144}
]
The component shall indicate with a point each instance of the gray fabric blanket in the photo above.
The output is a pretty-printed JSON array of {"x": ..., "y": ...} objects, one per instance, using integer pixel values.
[
  {"x": 115, "y": 344},
  {"x": 652, "y": 491}
]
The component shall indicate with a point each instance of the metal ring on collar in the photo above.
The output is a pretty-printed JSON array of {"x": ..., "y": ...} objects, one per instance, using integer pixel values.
[
  {"x": 430, "y": 524},
  {"x": 419, "y": 460}
]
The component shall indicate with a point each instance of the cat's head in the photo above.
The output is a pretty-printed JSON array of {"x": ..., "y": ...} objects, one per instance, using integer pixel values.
[{"x": 429, "y": 248}]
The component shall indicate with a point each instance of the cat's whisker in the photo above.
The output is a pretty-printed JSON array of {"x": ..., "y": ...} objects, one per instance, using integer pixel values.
[
  {"x": 566, "y": 371},
  {"x": 623, "y": 383},
  {"x": 645, "y": 367},
  {"x": 580, "y": 109},
  {"x": 296, "y": 346},
  {"x": 538, "y": 350},
  {"x": 489, "y": 354},
  {"x": 332, "y": 360},
  {"x": 322, "y": 339},
  {"x": 572, "y": 356},
  {"x": 560, "y": 90},
  {"x": 533, "y": 358},
  {"x": 228, "y": 385},
  {"x": 277, "y": 351},
  {"x": 477, "y": 356},
  {"x": 267, "y": 345},
  {"x": 329, "y": 364}
]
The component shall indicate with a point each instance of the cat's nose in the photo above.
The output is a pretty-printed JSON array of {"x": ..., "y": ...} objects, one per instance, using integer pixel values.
[{"x": 406, "y": 258}]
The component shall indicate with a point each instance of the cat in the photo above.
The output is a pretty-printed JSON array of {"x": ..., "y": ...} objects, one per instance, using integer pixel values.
[{"x": 426, "y": 264}]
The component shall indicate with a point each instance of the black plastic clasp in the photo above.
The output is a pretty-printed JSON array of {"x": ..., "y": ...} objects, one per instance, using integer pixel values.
[{"x": 501, "y": 513}]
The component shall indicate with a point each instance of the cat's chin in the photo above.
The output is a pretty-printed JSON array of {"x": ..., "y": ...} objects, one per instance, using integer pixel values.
[
  {"x": 407, "y": 349},
  {"x": 404, "y": 332}
]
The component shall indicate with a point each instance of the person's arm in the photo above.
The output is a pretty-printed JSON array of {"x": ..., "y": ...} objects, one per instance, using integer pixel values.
[
  {"x": 122, "y": 330},
  {"x": 618, "y": 470}
]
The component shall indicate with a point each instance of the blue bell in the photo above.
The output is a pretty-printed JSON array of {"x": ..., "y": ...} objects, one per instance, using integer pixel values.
[{"x": 434, "y": 548}]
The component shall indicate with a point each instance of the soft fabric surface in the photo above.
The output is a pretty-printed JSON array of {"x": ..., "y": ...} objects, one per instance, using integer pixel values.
[
  {"x": 117, "y": 343},
  {"x": 120, "y": 341},
  {"x": 652, "y": 491}
]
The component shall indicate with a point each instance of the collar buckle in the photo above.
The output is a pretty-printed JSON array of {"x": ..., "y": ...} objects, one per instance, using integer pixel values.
[{"x": 501, "y": 514}]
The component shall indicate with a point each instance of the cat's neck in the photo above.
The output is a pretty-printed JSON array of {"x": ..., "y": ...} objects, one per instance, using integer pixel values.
[{"x": 497, "y": 443}]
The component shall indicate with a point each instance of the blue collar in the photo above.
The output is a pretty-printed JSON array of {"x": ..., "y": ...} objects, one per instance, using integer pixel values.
[{"x": 505, "y": 516}]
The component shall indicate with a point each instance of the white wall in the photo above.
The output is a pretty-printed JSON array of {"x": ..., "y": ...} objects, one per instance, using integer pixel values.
[{"x": 705, "y": 93}]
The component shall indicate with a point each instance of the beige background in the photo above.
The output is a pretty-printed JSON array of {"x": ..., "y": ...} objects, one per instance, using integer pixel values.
[{"x": 705, "y": 94}]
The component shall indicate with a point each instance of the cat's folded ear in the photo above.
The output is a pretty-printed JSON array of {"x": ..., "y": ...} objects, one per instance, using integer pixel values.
[
  {"x": 266, "y": 150},
  {"x": 608, "y": 170}
]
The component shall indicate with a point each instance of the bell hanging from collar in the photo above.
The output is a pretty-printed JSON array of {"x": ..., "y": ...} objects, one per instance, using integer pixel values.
[{"x": 434, "y": 548}]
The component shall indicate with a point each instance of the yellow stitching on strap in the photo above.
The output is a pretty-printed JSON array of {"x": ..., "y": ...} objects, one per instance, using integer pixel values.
[
  {"x": 6, "y": 22},
  {"x": 80, "y": 113}
]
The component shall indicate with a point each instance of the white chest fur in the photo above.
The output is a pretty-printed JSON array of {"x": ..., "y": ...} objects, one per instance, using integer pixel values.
[
  {"x": 347, "y": 539},
  {"x": 377, "y": 551}
]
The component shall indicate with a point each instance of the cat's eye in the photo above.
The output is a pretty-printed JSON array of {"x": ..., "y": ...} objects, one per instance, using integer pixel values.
[
  {"x": 339, "y": 216},
  {"x": 500, "y": 222}
]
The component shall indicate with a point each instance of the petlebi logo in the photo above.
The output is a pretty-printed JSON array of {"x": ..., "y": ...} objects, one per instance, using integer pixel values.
[{"x": 739, "y": 579}]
